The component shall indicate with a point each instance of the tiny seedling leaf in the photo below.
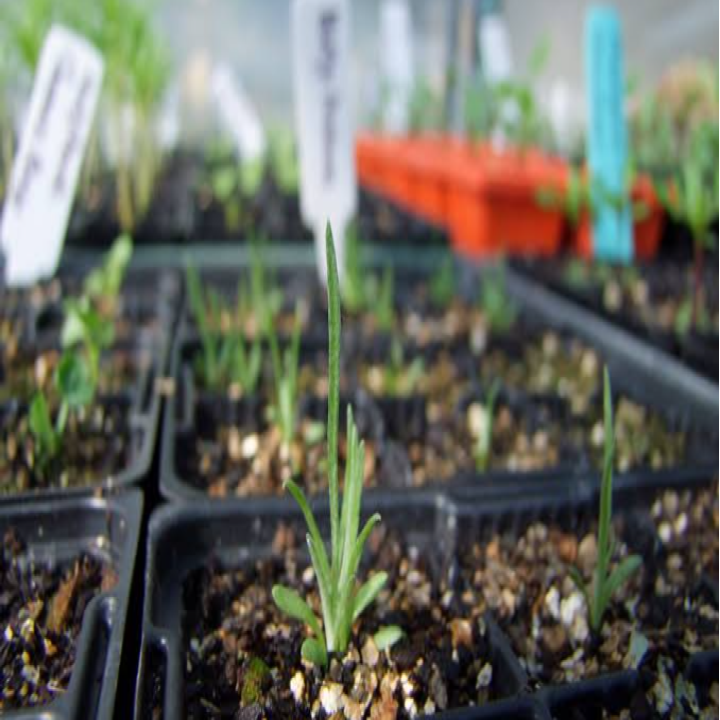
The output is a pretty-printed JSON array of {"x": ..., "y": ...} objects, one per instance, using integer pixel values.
[
  {"x": 41, "y": 425},
  {"x": 368, "y": 592},
  {"x": 293, "y": 605},
  {"x": 621, "y": 574},
  {"x": 387, "y": 636},
  {"x": 314, "y": 652},
  {"x": 74, "y": 381}
]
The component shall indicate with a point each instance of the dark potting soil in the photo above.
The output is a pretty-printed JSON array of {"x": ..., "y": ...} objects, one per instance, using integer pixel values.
[
  {"x": 96, "y": 445},
  {"x": 24, "y": 371},
  {"x": 667, "y": 612},
  {"x": 236, "y": 452},
  {"x": 242, "y": 655},
  {"x": 41, "y": 612},
  {"x": 551, "y": 366}
]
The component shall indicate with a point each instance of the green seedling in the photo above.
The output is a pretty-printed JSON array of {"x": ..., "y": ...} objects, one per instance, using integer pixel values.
[
  {"x": 499, "y": 310},
  {"x": 226, "y": 358},
  {"x": 210, "y": 363},
  {"x": 398, "y": 379},
  {"x": 76, "y": 390},
  {"x": 105, "y": 281},
  {"x": 382, "y": 306},
  {"x": 283, "y": 412},
  {"x": 224, "y": 182},
  {"x": 605, "y": 583},
  {"x": 573, "y": 202},
  {"x": 84, "y": 325},
  {"x": 513, "y": 107},
  {"x": 483, "y": 443},
  {"x": 266, "y": 298},
  {"x": 425, "y": 110},
  {"x": 693, "y": 201},
  {"x": 442, "y": 283},
  {"x": 342, "y": 600},
  {"x": 283, "y": 160}
]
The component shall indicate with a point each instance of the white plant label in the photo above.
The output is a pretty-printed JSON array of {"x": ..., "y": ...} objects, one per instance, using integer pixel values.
[
  {"x": 238, "y": 114},
  {"x": 52, "y": 145},
  {"x": 495, "y": 54},
  {"x": 321, "y": 78},
  {"x": 397, "y": 63}
]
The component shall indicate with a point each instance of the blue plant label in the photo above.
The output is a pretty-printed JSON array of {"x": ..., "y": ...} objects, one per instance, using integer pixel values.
[{"x": 607, "y": 144}]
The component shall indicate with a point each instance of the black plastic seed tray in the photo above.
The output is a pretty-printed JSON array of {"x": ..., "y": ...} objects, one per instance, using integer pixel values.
[
  {"x": 141, "y": 405},
  {"x": 55, "y": 532},
  {"x": 659, "y": 385},
  {"x": 697, "y": 350},
  {"x": 671, "y": 383},
  {"x": 183, "y": 538}
]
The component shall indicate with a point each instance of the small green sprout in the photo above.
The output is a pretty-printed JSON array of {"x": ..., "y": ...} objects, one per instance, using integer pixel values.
[
  {"x": 399, "y": 380},
  {"x": 104, "y": 282},
  {"x": 226, "y": 358},
  {"x": 225, "y": 182},
  {"x": 75, "y": 389},
  {"x": 442, "y": 283},
  {"x": 383, "y": 306},
  {"x": 483, "y": 443},
  {"x": 285, "y": 375},
  {"x": 84, "y": 325},
  {"x": 342, "y": 601},
  {"x": 693, "y": 200},
  {"x": 605, "y": 583},
  {"x": 499, "y": 310},
  {"x": 574, "y": 201},
  {"x": 265, "y": 296},
  {"x": 283, "y": 160}
]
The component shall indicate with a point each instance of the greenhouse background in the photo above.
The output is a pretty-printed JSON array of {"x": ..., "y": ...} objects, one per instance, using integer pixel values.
[{"x": 359, "y": 359}]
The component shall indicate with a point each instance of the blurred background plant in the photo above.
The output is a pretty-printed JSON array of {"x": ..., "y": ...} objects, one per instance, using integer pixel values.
[{"x": 137, "y": 69}]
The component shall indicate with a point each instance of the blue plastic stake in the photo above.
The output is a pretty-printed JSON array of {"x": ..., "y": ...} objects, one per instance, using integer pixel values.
[{"x": 607, "y": 135}]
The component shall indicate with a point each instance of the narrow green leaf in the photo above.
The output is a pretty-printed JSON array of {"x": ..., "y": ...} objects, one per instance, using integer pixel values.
[
  {"x": 313, "y": 652},
  {"x": 293, "y": 605},
  {"x": 606, "y": 487},
  {"x": 334, "y": 329},
  {"x": 301, "y": 500},
  {"x": 41, "y": 426},
  {"x": 322, "y": 572},
  {"x": 581, "y": 585},
  {"x": 360, "y": 544},
  {"x": 387, "y": 636},
  {"x": 74, "y": 381},
  {"x": 346, "y": 543},
  {"x": 620, "y": 575},
  {"x": 367, "y": 593}
]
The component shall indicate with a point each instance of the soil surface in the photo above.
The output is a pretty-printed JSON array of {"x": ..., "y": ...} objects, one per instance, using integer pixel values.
[
  {"x": 41, "y": 612},
  {"x": 242, "y": 655},
  {"x": 96, "y": 445},
  {"x": 666, "y": 613}
]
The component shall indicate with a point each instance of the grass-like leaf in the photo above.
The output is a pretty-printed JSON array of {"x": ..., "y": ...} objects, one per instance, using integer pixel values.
[
  {"x": 368, "y": 592},
  {"x": 342, "y": 602},
  {"x": 605, "y": 584}
]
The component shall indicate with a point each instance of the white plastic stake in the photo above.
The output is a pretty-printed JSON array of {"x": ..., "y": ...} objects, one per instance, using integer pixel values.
[
  {"x": 495, "y": 53},
  {"x": 237, "y": 113},
  {"x": 47, "y": 165},
  {"x": 397, "y": 63},
  {"x": 321, "y": 79}
]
